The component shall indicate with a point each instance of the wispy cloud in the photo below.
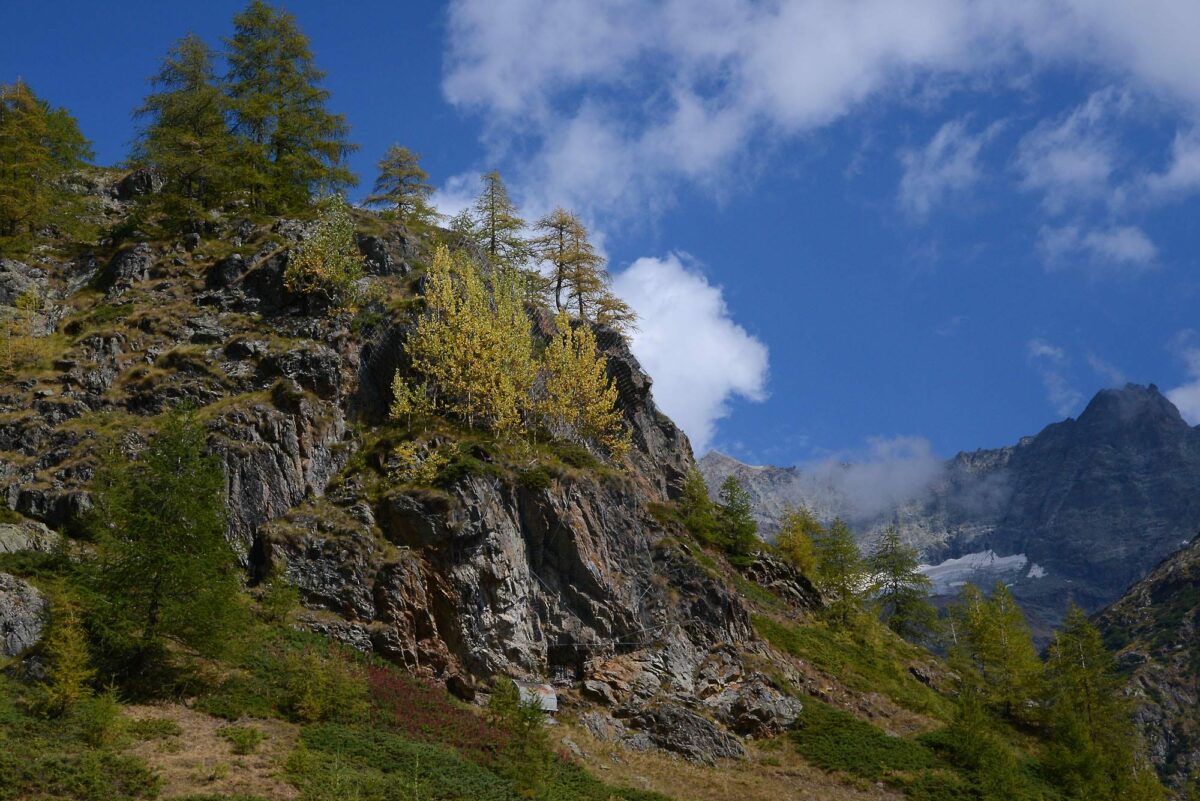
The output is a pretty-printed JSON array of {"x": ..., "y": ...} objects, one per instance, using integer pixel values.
[
  {"x": 1122, "y": 248},
  {"x": 1186, "y": 396},
  {"x": 946, "y": 166},
  {"x": 1052, "y": 363}
]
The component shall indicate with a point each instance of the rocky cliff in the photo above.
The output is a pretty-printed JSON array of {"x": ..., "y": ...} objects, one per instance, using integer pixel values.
[
  {"x": 1081, "y": 510},
  {"x": 1155, "y": 628},
  {"x": 563, "y": 574}
]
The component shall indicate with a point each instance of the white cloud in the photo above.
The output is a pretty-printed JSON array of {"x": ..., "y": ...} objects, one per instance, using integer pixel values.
[
  {"x": 458, "y": 193},
  {"x": 1052, "y": 363},
  {"x": 1121, "y": 248},
  {"x": 1183, "y": 174},
  {"x": 1071, "y": 159},
  {"x": 1112, "y": 374},
  {"x": 700, "y": 358},
  {"x": 614, "y": 101},
  {"x": 1186, "y": 396},
  {"x": 947, "y": 165},
  {"x": 861, "y": 485}
]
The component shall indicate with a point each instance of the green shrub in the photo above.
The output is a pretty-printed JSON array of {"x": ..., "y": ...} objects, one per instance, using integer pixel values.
[
  {"x": 836, "y": 740},
  {"x": 243, "y": 739},
  {"x": 536, "y": 479},
  {"x": 322, "y": 686},
  {"x": 99, "y": 718},
  {"x": 153, "y": 729},
  {"x": 575, "y": 455}
]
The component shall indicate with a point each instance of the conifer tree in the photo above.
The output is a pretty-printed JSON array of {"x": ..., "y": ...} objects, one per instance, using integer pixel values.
[
  {"x": 900, "y": 591},
  {"x": 166, "y": 571},
  {"x": 295, "y": 146},
  {"x": 577, "y": 274},
  {"x": 70, "y": 672},
  {"x": 404, "y": 187},
  {"x": 473, "y": 348},
  {"x": 498, "y": 228},
  {"x": 187, "y": 137},
  {"x": 39, "y": 148},
  {"x": 698, "y": 511},
  {"x": 994, "y": 652},
  {"x": 794, "y": 542},
  {"x": 841, "y": 573},
  {"x": 580, "y": 397},
  {"x": 1096, "y": 753},
  {"x": 738, "y": 529}
]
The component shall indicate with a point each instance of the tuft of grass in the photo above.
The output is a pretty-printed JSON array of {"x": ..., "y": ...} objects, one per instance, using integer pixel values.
[{"x": 153, "y": 729}]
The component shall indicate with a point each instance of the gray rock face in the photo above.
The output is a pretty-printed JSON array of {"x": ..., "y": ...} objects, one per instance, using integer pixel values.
[
  {"x": 1156, "y": 627},
  {"x": 673, "y": 728},
  {"x": 126, "y": 268},
  {"x": 18, "y": 279},
  {"x": 1091, "y": 504},
  {"x": 23, "y": 612},
  {"x": 142, "y": 181},
  {"x": 28, "y": 535}
]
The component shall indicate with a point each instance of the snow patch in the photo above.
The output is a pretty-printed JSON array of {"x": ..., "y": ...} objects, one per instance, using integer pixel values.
[
  {"x": 1036, "y": 571},
  {"x": 982, "y": 568}
]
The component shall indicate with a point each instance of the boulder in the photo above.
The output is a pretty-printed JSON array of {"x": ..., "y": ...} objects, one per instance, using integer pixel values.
[
  {"x": 23, "y": 613},
  {"x": 671, "y": 727},
  {"x": 28, "y": 535},
  {"x": 755, "y": 707},
  {"x": 127, "y": 268},
  {"x": 142, "y": 181},
  {"x": 18, "y": 279}
]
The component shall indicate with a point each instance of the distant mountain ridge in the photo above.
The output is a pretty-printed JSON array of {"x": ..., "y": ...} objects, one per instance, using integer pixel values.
[{"x": 1092, "y": 504}]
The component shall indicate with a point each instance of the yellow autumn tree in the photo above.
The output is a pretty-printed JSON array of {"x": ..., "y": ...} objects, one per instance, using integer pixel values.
[
  {"x": 580, "y": 399},
  {"x": 473, "y": 346}
]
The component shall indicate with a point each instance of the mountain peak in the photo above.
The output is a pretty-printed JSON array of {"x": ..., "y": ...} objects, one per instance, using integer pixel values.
[{"x": 1132, "y": 403}]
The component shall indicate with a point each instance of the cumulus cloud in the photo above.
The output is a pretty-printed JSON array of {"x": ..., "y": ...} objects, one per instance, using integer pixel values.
[
  {"x": 1186, "y": 396},
  {"x": 613, "y": 101},
  {"x": 1052, "y": 364},
  {"x": 947, "y": 165},
  {"x": 1182, "y": 176},
  {"x": 1123, "y": 248},
  {"x": 699, "y": 358}
]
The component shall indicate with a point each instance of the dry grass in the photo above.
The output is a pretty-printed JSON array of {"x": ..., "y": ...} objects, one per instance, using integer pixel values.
[
  {"x": 200, "y": 760},
  {"x": 773, "y": 772}
]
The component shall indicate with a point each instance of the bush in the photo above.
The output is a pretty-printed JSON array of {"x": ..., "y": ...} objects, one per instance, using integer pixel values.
[
  {"x": 244, "y": 739},
  {"x": 99, "y": 718},
  {"x": 327, "y": 264},
  {"x": 153, "y": 729},
  {"x": 536, "y": 479},
  {"x": 323, "y": 686},
  {"x": 836, "y": 740}
]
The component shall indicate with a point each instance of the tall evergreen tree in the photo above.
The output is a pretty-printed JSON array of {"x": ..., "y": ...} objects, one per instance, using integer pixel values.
[
  {"x": 901, "y": 592},
  {"x": 1096, "y": 753},
  {"x": 187, "y": 137},
  {"x": 295, "y": 146},
  {"x": 841, "y": 573},
  {"x": 39, "y": 148},
  {"x": 404, "y": 186},
  {"x": 166, "y": 572},
  {"x": 697, "y": 508},
  {"x": 737, "y": 527},
  {"x": 498, "y": 227},
  {"x": 993, "y": 651}
]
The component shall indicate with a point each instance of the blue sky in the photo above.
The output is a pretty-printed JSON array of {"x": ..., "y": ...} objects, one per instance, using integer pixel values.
[{"x": 855, "y": 228}]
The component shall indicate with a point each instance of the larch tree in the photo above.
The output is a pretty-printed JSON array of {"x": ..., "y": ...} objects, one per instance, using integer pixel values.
[
  {"x": 737, "y": 527},
  {"x": 472, "y": 347},
  {"x": 39, "y": 148},
  {"x": 499, "y": 229},
  {"x": 1096, "y": 750},
  {"x": 993, "y": 651},
  {"x": 404, "y": 187},
  {"x": 294, "y": 147},
  {"x": 327, "y": 264},
  {"x": 580, "y": 399},
  {"x": 899, "y": 589},
  {"x": 798, "y": 528},
  {"x": 841, "y": 573},
  {"x": 186, "y": 138},
  {"x": 697, "y": 508},
  {"x": 166, "y": 573}
]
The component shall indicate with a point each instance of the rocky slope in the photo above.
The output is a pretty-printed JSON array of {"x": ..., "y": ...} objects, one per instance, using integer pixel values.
[
  {"x": 1081, "y": 510},
  {"x": 1155, "y": 628},
  {"x": 569, "y": 578}
]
